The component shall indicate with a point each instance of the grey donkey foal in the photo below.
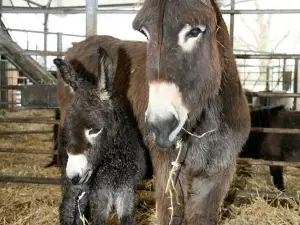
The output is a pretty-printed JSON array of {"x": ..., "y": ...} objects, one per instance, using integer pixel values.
[{"x": 101, "y": 145}]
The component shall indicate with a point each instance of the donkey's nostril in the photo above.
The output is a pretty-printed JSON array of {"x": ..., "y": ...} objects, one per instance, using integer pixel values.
[
  {"x": 75, "y": 179},
  {"x": 162, "y": 129}
]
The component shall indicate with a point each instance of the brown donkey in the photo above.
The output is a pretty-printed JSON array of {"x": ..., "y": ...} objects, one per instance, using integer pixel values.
[
  {"x": 209, "y": 96},
  {"x": 193, "y": 87}
]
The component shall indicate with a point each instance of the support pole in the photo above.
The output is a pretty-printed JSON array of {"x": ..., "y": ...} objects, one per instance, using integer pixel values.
[
  {"x": 297, "y": 83},
  {"x": 232, "y": 3},
  {"x": 46, "y": 15},
  {"x": 268, "y": 79},
  {"x": 1, "y": 3},
  {"x": 91, "y": 17},
  {"x": 59, "y": 43}
]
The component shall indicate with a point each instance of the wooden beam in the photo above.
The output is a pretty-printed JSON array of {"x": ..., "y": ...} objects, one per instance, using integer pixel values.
[{"x": 266, "y": 162}]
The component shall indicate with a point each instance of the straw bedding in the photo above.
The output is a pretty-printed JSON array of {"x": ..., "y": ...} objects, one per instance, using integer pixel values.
[{"x": 26, "y": 204}]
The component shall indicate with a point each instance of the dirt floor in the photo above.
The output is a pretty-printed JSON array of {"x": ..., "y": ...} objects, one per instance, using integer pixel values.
[{"x": 32, "y": 204}]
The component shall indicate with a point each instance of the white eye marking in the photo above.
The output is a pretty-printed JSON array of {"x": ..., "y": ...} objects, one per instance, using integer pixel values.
[
  {"x": 91, "y": 136},
  {"x": 76, "y": 165},
  {"x": 145, "y": 32},
  {"x": 188, "y": 42}
]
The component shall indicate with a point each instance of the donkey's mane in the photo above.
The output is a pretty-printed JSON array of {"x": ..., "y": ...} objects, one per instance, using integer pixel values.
[{"x": 160, "y": 30}]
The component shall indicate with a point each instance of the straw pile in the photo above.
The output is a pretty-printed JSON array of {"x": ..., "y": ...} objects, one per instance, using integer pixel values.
[{"x": 32, "y": 204}]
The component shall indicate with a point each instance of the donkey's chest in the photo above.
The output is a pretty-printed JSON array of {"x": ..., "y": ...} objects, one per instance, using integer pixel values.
[{"x": 209, "y": 153}]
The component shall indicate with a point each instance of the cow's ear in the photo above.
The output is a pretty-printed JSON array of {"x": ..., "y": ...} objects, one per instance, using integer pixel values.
[{"x": 105, "y": 74}]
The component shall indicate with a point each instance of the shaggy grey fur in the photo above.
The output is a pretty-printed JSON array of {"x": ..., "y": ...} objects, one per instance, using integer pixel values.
[{"x": 117, "y": 157}]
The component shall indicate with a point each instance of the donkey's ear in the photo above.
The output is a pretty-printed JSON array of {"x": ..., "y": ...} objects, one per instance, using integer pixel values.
[
  {"x": 105, "y": 74},
  {"x": 67, "y": 73}
]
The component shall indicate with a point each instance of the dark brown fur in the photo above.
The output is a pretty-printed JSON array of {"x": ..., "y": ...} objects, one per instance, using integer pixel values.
[
  {"x": 64, "y": 96},
  {"x": 282, "y": 147},
  {"x": 129, "y": 58},
  {"x": 210, "y": 86},
  {"x": 211, "y": 175},
  {"x": 116, "y": 156},
  {"x": 55, "y": 141}
]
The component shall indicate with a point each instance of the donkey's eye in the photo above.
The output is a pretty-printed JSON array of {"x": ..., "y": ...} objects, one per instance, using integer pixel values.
[
  {"x": 194, "y": 32},
  {"x": 144, "y": 32},
  {"x": 92, "y": 134},
  {"x": 94, "y": 131}
]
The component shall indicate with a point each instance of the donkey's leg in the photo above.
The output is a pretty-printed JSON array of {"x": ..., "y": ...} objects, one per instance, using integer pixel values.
[
  {"x": 207, "y": 195},
  {"x": 100, "y": 203},
  {"x": 70, "y": 205},
  {"x": 67, "y": 207},
  {"x": 277, "y": 175},
  {"x": 164, "y": 210},
  {"x": 125, "y": 203}
]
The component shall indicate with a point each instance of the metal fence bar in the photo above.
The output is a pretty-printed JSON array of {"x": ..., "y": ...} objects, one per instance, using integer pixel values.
[
  {"x": 238, "y": 56},
  {"x": 262, "y": 162},
  {"x": 267, "y": 195},
  {"x": 261, "y": 11},
  {"x": 55, "y": 181},
  {"x": 10, "y": 103},
  {"x": 42, "y": 32},
  {"x": 81, "y": 9},
  {"x": 36, "y": 52},
  {"x": 26, "y": 151},
  {"x": 12, "y": 119},
  {"x": 26, "y": 132},
  {"x": 49, "y": 122},
  {"x": 8, "y": 87},
  {"x": 29, "y": 120},
  {"x": 253, "y": 129},
  {"x": 42, "y": 121},
  {"x": 239, "y": 195},
  {"x": 29, "y": 180},
  {"x": 275, "y": 130},
  {"x": 273, "y": 94},
  {"x": 151, "y": 187},
  {"x": 241, "y": 161},
  {"x": 267, "y": 56}
]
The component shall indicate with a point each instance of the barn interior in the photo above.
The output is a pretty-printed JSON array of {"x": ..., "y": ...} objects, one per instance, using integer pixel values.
[{"x": 266, "y": 187}]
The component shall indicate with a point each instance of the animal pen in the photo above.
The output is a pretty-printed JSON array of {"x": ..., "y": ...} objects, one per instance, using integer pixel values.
[{"x": 30, "y": 193}]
